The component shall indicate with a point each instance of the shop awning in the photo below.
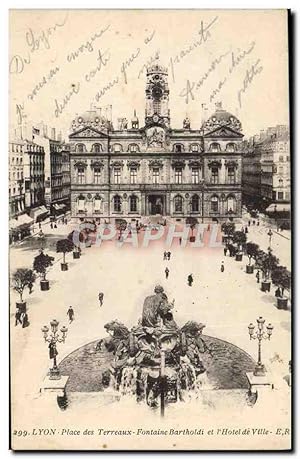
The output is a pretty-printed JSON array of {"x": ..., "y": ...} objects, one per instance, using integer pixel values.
[
  {"x": 38, "y": 212},
  {"x": 20, "y": 221},
  {"x": 59, "y": 206},
  {"x": 281, "y": 207}
]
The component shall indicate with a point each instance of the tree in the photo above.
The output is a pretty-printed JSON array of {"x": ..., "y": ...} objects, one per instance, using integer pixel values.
[
  {"x": 64, "y": 246},
  {"x": 21, "y": 278},
  {"x": 252, "y": 250},
  {"x": 228, "y": 228},
  {"x": 266, "y": 262},
  {"x": 281, "y": 277},
  {"x": 41, "y": 263},
  {"x": 239, "y": 238}
]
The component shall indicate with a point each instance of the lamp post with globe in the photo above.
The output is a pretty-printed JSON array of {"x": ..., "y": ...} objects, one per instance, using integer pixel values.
[
  {"x": 53, "y": 338},
  {"x": 261, "y": 333}
]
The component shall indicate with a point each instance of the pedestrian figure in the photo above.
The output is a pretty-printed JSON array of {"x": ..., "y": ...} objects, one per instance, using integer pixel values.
[
  {"x": 51, "y": 225},
  {"x": 246, "y": 230},
  {"x": 55, "y": 225},
  {"x": 180, "y": 241},
  {"x": 70, "y": 313},
  {"x": 253, "y": 222},
  {"x": 249, "y": 223},
  {"x": 24, "y": 319},
  {"x": 258, "y": 223},
  {"x": 257, "y": 276},
  {"x": 167, "y": 272},
  {"x": 18, "y": 317},
  {"x": 278, "y": 293},
  {"x": 222, "y": 267},
  {"x": 40, "y": 225},
  {"x": 30, "y": 287},
  {"x": 169, "y": 256},
  {"x": 190, "y": 280},
  {"x": 225, "y": 250},
  {"x": 165, "y": 255},
  {"x": 100, "y": 297}
]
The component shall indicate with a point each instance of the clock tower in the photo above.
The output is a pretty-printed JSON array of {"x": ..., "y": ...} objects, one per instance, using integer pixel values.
[{"x": 157, "y": 96}]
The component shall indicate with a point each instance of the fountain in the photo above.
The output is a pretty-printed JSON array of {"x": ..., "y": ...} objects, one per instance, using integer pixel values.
[{"x": 156, "y": 361}]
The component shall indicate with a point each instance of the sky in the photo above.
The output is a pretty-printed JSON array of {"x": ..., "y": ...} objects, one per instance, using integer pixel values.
[{"x": 64, "y": 62}]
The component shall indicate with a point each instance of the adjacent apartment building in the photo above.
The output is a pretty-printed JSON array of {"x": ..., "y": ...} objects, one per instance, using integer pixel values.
[{"x": 266, "y": 169}]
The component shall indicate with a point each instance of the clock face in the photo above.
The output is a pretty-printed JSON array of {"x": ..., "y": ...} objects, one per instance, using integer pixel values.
[
  {"x": 157, "y": 92},
  {"x": 155, "y": 118}
]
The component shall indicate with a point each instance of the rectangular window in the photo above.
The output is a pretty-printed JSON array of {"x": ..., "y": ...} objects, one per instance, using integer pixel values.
[
  {"x": 117, "y": 176},
  {"x": 178, "y": 175},
  {"x": 231, "y": 175},
  {"x": 280, "y": 195},
  {"x": 97, "y": 175},
  {"x": 287, "y": 158},
  {"x": 155, "y": 175},
  {"x": 81, "y": 175},
  {"x": 194, "y": 147},
  {"x": 133, "y": 175},
  {"x": 287, "y": 195},
  {"x": 81, "y": 205},
  {"x": 281, "y": 159},
  {"x": 215, "y": 175},
  {"x": 195, "y": 175}
]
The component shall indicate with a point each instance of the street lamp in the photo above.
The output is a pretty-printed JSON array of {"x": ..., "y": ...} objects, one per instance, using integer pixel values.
[
  {"x": 261, "y": 333},
  {"x": 270, "y": 234},
  {"x": 52, "y": 339}
]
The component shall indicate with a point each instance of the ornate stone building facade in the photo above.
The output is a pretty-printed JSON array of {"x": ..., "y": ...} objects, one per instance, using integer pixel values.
[{"x": 137, "y": 171}]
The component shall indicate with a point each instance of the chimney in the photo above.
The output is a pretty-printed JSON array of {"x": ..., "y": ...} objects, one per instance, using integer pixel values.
[
  {"x": 59, "y": 136},
  {"x": 53, "y": 133}
]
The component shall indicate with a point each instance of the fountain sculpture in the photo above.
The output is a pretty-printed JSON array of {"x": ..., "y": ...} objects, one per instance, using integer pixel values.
[{"x": 155, "y": 361}]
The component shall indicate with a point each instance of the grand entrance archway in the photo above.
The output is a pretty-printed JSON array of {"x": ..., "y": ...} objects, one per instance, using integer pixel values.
[{"x": 156, "y": 204}]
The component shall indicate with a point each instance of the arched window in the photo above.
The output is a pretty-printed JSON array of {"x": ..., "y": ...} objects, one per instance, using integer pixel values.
[
  {"x": 117, "y": 204},
  {"x": 178, "y": 148},
  {"x": 178, "y": 203},
  {"x": 231, "y": 204},
  {"x": 195, "y": 203},
  {"x": 214, "y": 204},
  {"x": 97, "y": 148},
  {"x": 230, "y": 147},
  {"x": 117, "y": 147},
  {"x": 133, "y": 203},
  {"x": 80, "y": 148},
  {"x": 194, "y": 147},
  {"x": 133, "y": 147},
  {"x": 215, "y": 147}
]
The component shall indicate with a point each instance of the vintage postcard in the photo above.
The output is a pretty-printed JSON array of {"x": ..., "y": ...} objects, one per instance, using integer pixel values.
[{"x": 149, "y": 230}]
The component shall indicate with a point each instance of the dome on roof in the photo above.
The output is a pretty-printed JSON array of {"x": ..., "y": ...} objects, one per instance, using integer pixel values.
[
  {"x": 156, "y": 67},
  {"x": 222, "y": 118},
  {"x": 91, "y": 118}
]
